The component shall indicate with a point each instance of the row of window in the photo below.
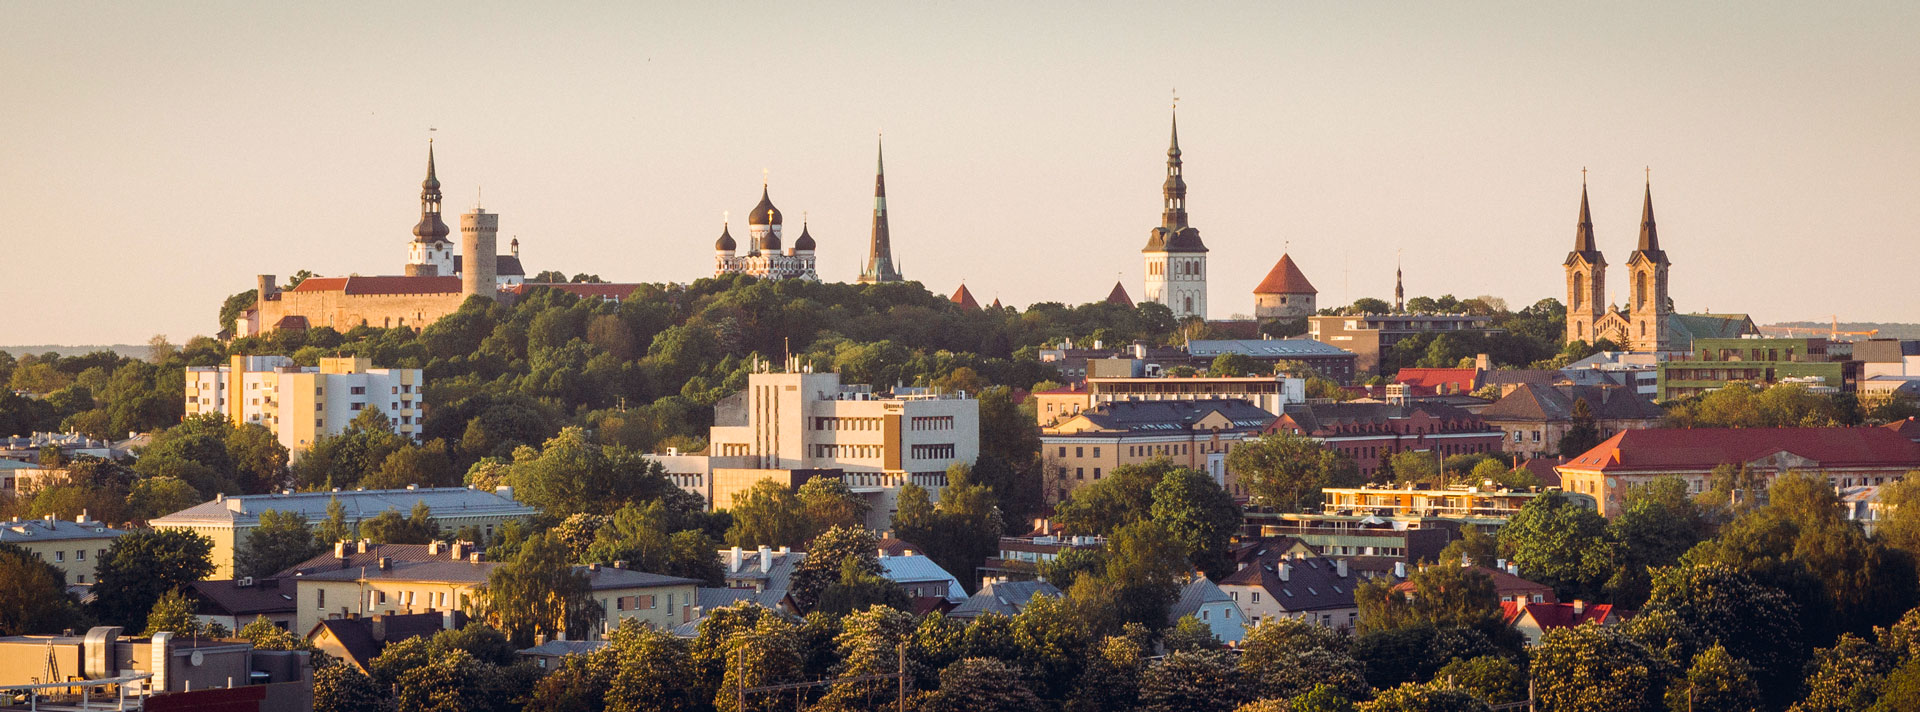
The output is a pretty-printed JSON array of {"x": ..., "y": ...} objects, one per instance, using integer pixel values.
[
  {"x": 643, "y": 602},
  {"x": 840, "y": 423},
  {"x": 931, "y": 422},
  {"x": 846, "y": 451},
  {"x": 60, "y": 557},
  {"x": 931, "y": 452}
]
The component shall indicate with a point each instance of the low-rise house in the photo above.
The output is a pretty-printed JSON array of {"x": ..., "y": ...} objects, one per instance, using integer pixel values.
[
  {"x": 1210, "y": 605},
  {"x": 1311, "y": 588},
  {"x": 921, "y": 577},
  {"x": 1848, "y": 457},
  {"x": 548, "y": 655},
  {"x": 177, "y": 664},
  {"x": 425, "y": 578},
  {"x": 75, "y": 547},
  {"x": 1007, "y": 598},
  {"x": 359, "y": 640},
  {"x": 1533, "y": 620},
  {"x": 1435, "y": 381},
  {"x": 1020, "y": 557},
  {"x": 1535, "y": 418},
  {"x": 1369, "y": 543},
  {"x": 228, "y": 521}
]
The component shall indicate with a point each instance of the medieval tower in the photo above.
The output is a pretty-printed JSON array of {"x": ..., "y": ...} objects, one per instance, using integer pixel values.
[{"x": 1176, "y": 259}]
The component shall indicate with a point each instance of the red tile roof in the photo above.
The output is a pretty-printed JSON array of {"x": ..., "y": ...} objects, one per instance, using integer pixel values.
[
  {"x": 1665, "y": 449},
  {"x": 964, "y": 298},
  {"x": 1459, "y": 380},
  {"x": 1560, "y": 615},
  {"x": 1285, "y": 278},
  {"x": 381, "y": 285},
  {"x": 1119, "y": 296},
  {"x": 1908, "y": 428}
]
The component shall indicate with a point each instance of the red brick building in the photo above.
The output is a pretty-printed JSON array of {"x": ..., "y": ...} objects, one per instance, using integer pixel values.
[{"x": 1372, "y": 432}]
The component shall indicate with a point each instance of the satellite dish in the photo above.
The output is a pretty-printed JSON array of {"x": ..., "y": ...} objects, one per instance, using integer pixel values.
[{"x": 197, "y": 658}]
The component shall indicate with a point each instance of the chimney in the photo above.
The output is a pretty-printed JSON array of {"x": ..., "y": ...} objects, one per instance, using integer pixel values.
[
  {"x": 504, "y": 491},
  {"x": 594, "y": 567},
  {"x": 1513, "y": 568},
  {"x": 433, "y": 548},
  {"x": 386, "y": 563},
  {"x": 1399, "y": 569},
  {"x": 1482, "y": 362},
  {"x": 475, "y": 557},
  {"x": 560, "y": 634},
  {"x": 733, "y": 560},
  {"x": 235, "y": 504},
  {"x": 446, "y": 619},
  {"x": 363, "y": 545},
  {"x": 539, "y": 639},
  {"x": 1500, "y": 564},
  {"x": 340, "y": 550},
  {"x": 458, "y": 550},
  {"x": 379, "y": 627},
  {"x": 766, "y": 559},
  {"x": 1579, "y": 606},
  {"x": 80, "y": 518},
  {"x": 1340, "y": 568},
  {"x": 620, "y": 563},
  {"x": 1286, "y": 571}
]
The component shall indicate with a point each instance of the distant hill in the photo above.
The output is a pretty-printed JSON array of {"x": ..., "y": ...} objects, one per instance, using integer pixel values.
[
  {"x": 127, "y": 350},
  {"x": 1893, "y": 330}
]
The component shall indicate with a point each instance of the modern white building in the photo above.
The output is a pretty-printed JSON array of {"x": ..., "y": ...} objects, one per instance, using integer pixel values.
[
  {"x": 301, "y": 403},
  {"x": 791, "y": 427}
]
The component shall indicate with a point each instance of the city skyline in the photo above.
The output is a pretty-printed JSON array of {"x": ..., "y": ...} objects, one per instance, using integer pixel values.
[{"x": 175, "y": 154}]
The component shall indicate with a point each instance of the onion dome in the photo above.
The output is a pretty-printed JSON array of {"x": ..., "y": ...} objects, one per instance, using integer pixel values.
[
  {"x": 805, "y": 243},
  {"x": 764, "y": 213},
  {"x": 725, "y": 243}
]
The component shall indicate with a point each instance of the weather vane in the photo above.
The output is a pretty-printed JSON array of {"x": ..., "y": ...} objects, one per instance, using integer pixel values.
[
  {"x": 1583, "y": 175},
  {"x": 1176, "y": 97}
]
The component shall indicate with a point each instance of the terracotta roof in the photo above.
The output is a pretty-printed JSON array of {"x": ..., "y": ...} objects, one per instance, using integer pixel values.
[
  {"x": 356, "y": 634},
  {"x": 1459, "y": 379},
  {"x": 964, "y": 298},
  {"x": 292, "y": 321},
  {"x": 386, "y": 284},
  {"x": 1285, "y": 278},
  {"x": 1543, "y": 469},
  {"x": 1119, "y": 296},
  {"x": 1560, "y": 615},
  {"x": 1666, "y": 449},
  {"x": 1908, "y": 428}
]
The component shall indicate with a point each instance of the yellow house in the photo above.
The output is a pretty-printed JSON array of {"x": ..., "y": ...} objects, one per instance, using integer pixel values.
[
  {"x": 368, "y": 580},
  {"x": 74, "y": 547},
  {"x": 228, "y": 521}
]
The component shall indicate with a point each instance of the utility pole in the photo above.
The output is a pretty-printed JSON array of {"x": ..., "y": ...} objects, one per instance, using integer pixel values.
[
  {"x": 901, "y": 670},
  {"x": 740, "y": 676}
]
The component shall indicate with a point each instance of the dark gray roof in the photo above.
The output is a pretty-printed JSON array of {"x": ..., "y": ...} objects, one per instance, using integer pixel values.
[
  {"x": 557, "y": 648},
  {"x": 1195, "y": 594},
  {"x": 1174, "y": 416},
  {"x": 1313, "y": 583},
  {"x": 1006, "y": 598},
  {"x": 1314, "y": 417},
  {"x": 1515, "y": 376},
  {"x": 25, "y": 531},
  {"x": 228, "y": 597},
  {"x": 1532, "y": 402},
  {"x": 503, "y": 266}
]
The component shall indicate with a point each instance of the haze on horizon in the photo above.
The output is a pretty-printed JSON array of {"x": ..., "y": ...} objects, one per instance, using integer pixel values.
[{"x": 157, "y": 157}]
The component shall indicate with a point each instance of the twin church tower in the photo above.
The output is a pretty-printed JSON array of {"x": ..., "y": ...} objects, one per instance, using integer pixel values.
[{"x": 1646, "y": 324}]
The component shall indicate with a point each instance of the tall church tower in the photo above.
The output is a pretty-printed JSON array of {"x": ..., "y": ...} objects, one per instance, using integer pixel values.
[
  {"x": 431, "y": 253},
  {"x": 1586, "y": 278},
  {"x": 880, "y": 266},
  {"x": 1650, "y": 307},
  {"x": 1176, "y": 259}
]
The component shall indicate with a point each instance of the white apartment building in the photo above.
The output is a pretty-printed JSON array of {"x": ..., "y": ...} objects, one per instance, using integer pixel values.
[
  {"x": 794, "y": 426},
  {"x": 272, "y": 391}
]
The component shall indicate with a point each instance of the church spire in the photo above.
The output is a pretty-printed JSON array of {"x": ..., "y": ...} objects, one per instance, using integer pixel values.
[
  {"x": 1649, "y": 236},
  {"x": 1583, "y": 232},
  {"x": 430, "y": 227},
  {"x": 880, "y": 266},
  {"x": 1174, "y": 192},
  {"x": 1399, "y": 289}
]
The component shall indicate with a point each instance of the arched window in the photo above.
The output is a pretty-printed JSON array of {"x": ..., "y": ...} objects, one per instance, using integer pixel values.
[
  {"x": 1579, "y": 290},
  {"x": 1640, "y": 292}
]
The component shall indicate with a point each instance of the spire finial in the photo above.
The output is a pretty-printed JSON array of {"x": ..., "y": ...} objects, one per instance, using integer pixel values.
[
  {"x": 1649, "y": 176},
  {"x": 1583, "y": 176},
  {"x": 763, "y": 180}
]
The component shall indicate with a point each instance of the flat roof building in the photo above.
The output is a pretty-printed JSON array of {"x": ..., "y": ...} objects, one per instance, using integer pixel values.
[
  {"x": 74, "y": 546},
  {"x": 301, "y": 404}
]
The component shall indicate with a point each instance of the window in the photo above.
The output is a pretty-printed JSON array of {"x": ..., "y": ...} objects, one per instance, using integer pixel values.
[
  {"x": 59, "y": 556},
  {"x": 358, "y": 390},
  {"x": 1256, "y": 596},
  {"x": 1063, "y": 451},
  {"x": 79, "y": 554},
  {"x": 321, "y": 599},
  {"x": 1079, "y": 452},
  {"x": 1096, "y": 473},
  {"x": 356, "y": 406},
  {"x": 1079, "y": 473},
  {"x": 1096, "y": 451}
]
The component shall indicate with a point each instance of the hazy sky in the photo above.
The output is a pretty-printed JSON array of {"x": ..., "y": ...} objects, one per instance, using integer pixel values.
[{"x": 155, "y": 156}]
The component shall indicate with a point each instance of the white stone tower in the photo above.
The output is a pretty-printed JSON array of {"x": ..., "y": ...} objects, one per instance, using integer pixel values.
[
  {"x": 1176, "y": 259},
  {"x": 479, "y": 238}
]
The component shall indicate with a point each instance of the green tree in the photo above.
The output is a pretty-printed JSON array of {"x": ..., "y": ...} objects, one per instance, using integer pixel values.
[
  {"x": 423, "y": 465},
  {"x": 173, "y": 613},
  {"x": 571, "y": 474},
  {"x": 858, "y": 589},
  {"x": 1424, "y": 698},
  {"x": 1125, "y": 496},
  {"x": 982, "y": 685},
  {"x": 389, "y": 527},
  {"x": 1110, "y": 681},
  {"x": 1145, "y": 568},
  {"x": 1444, "y": 595},
  {"x": 1716, "y": 602},
  {"x": 343, "y": 688},
  {"x": 1287, "y": 657},
  {"x": 1201, "y": 515},
  {"x": 768, "y": 514},
  {"x": 141, "y": 566},
  {"x": 1412, "y": 466},
  {"x": 334, "y": 528},
  {"x": 1659, "y": 523},
  {"x": 152, "y": 497},
  {"x": 1559, "y": 542},
  {"x": 1593, "y": 669},
  {"x": 868, "y": 644},
  {"x": 538, "y": 592},
  {"x": 33, "y": 594},
  {"x": 827, "y": 559},
  {"x": 1717, "y": 682},
  {"x": 1194, "y": 682},
  {"x": 768, "y": 654},
  {"x": 1189, "y": 634},
  {"x": 644, "y": 537},
  {"x": 281, "y": 540},
  {"x": 1583, "y": 435},
  {"x": 1474, "y": 546},
  {"x": 1286, "y": 471},
  {"x": 1494, "y": 679},
  {"x": 827, "y": 502},
  {"x": 1232, "y": 365}
]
